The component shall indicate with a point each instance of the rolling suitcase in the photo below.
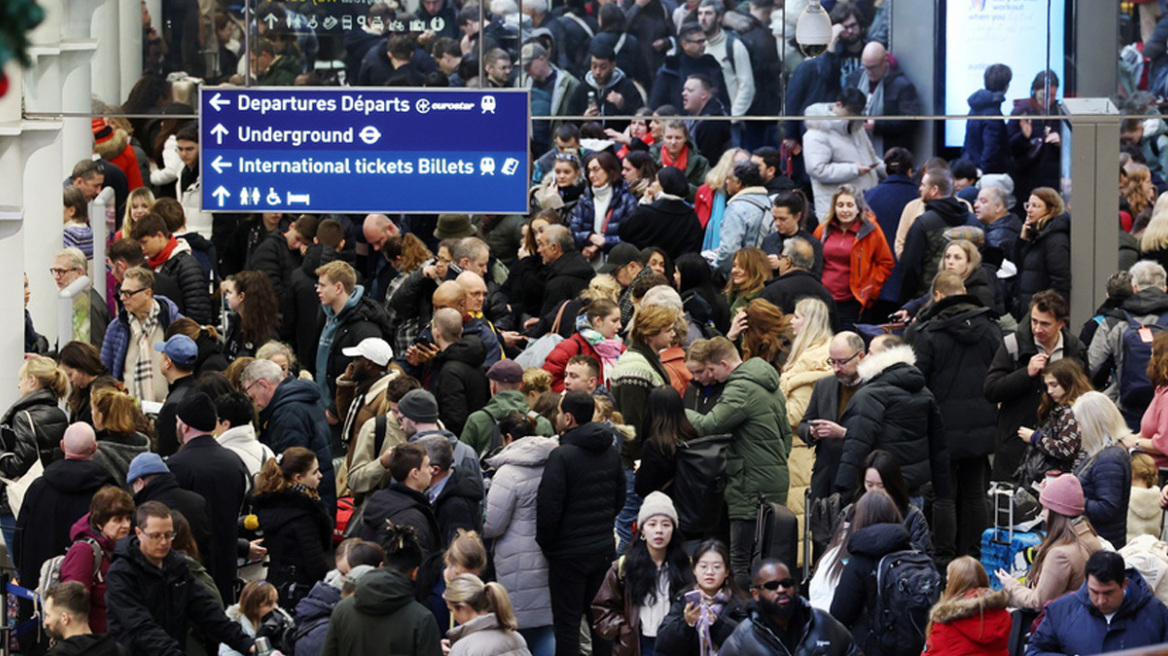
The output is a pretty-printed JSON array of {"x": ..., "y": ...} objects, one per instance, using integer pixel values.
[
  {"x": 776, "y": 533},
  {"x": 1004, "y": 547}
]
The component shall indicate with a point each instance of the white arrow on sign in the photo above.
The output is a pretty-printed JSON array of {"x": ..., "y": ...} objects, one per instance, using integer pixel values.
[
  {"x": 219, "y": 131},
  {"x": 219, "y": 164},
  {"x": 218, "y": 103},
  {"x": 271, "y": 20},
  {"x": 297, "y": 198},
  {"x": 220, "y": 194}
]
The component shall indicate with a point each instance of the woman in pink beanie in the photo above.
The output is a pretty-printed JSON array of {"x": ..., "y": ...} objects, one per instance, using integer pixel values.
[{"x": 1070, "y": 540}]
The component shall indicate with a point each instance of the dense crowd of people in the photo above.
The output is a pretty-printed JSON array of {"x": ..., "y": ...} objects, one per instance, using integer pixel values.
[{"x": 723, "y": 381}]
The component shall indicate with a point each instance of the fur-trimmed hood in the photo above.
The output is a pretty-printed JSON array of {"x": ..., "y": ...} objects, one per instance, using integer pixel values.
[
  {"x": 112, "y": 147},
  {"x": 969, "y": 605},
  {"x": 876, "y": 364}
]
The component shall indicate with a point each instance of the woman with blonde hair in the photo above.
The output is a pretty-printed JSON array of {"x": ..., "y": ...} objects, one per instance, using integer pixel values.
[
  {"x": 807, "y": 359},
  {"x": 1105, "y": 472},
  {"x": 1043, "y": 251},
  {"x": 282, "y": 354},
  {"x": 122, "y": 429},
  {"x": 36, "y": 426},
  {"x": 138, "y": 204},
  {"x": 749, "y": 274},
  {"x": 962, "y": 257},
  {"x": 807, "y": 363},
  {"x": 486, "y": 622},
  {"x": 1154, "y": 240},
  {"x": 969, "y": 618},
  {"x": 710, "y": 201}
]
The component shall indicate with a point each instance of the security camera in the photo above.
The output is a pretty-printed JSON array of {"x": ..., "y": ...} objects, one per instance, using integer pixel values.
[{"x": 813, "y": 31}]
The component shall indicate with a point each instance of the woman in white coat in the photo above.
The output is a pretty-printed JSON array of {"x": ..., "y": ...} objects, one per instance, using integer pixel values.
[
  {"x": 837, "y": 149},
  {"x": 519, "y": 562}
]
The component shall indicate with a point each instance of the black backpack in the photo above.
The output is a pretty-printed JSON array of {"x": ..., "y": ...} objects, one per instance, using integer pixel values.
[
  {"x": 907, "y": 586},
  {"x": 700, "y": 482}
]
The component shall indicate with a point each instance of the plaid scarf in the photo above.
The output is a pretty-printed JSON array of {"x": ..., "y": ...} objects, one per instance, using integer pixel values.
[{"x": 143, "y": 382}]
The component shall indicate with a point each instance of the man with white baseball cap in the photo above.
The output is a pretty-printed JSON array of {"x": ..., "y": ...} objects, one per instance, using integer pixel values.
[{"x": 361, "y": 392}]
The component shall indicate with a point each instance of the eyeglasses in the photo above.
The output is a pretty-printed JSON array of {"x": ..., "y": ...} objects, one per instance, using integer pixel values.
[
  {"x": 832, "y": 362},
  {"x": 787, "y": 583},
  {"x": 129, "y": 293},
  {"x": 57, "y": 272},
  {"x": 160, "y": 537}
]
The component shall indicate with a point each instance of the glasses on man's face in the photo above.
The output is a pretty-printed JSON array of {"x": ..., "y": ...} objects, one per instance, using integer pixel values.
[
  {"x": 787, "y": 583},
  {"x": 58, "y": 272},
  {"x": 832, "y": 362},
  {"x": 129, "y": 293},
  {"x": 160, "y": 537}
]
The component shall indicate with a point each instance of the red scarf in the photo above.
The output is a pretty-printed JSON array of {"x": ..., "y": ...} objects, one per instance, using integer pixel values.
[
  {"x": 164, "y": 255},
  {"x": 680, "y": 162}
]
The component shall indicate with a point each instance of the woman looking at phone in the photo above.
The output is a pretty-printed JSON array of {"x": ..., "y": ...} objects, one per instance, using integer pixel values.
[{"x": 704, "y": 617}]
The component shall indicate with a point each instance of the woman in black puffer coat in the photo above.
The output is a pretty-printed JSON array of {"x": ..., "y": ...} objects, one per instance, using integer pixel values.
[
  {"x": 297, "y": 532},
  {"x": 1043, "y": 252},
  {"x": 878, "y": 532},
  {"x": 1105, "y": 472},
  {"x": 32, "y": 427}
]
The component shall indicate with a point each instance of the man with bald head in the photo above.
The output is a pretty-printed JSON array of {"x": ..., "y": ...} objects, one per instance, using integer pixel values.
[
  {"x": 56, "y": 501},
  {"x": 378, "y": 228},
  {"x": 457, "y": 379},
  {"x": 889, "y": 93},
  {"x": 820, "y": 427},
  {"x": 1001, "y": 227},
  {"x": 457, "y": 296}
]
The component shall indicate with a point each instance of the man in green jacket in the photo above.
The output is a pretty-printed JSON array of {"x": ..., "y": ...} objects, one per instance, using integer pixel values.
[
  {"x": 382, "y": 616},
  {"x": 753, "y": 411},
  {"x": 506, "y": 377}
]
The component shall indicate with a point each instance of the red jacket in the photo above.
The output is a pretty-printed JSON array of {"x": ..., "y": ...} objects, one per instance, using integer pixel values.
[
  {"x": 975, "y": 624},
  {"x": 871, "y": 262},
  {"x": 78, "y": 566},
  {"x": 557, "y": 360}
]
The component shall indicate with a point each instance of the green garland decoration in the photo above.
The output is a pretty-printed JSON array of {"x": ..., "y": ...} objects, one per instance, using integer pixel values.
[{"x": 17, "y": 18}]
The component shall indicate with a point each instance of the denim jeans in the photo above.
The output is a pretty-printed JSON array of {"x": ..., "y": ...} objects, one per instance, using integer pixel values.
[
  {"x": 541, "y": 640},
  {"x": 628, "y": 515}
]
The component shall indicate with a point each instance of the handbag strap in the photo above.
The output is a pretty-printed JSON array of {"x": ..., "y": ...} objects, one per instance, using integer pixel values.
[
  {"x": 36, "y": 438},
  {"x": 559, "y": 316}
]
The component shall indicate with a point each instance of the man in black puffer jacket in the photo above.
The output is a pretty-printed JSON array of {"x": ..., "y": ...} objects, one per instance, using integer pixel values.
[
  {"x": 279, "y": 254},
  {"x": 404, "y": 501},
  {"x": 782, "y": 622},
  {"x": 566, "y": 271},
  {"x": 582, "y": 489},
  {"x": 895, "y": 412},
  {"x": 457, "y": 380},
  {"x": 153, "y": 598},
  {"x": 925, "y": 243},
  {"x": 172, "y": 257},
  {"x": 955, "y": 341}
]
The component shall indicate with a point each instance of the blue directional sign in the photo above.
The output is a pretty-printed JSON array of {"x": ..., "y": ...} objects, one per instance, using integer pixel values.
[{"x": 364, "y": 150}]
